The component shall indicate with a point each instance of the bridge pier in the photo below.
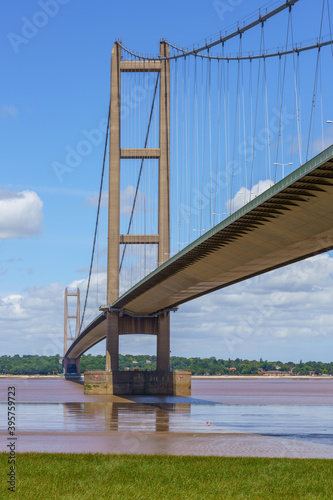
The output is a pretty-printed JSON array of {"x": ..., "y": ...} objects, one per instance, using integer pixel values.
[
  {"x": 177, "y": 383},
  {"x": 119, "y": 323},
  {"x": 159, "y": 382},
  {"x": 71, "y": 367}
]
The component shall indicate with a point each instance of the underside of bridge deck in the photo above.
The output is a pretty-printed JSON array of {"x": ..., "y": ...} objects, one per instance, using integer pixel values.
[{"x": 289, "y": 222}]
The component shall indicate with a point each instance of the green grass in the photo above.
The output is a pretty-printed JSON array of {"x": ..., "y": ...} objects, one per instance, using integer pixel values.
[{"x": 93, "y": 476}]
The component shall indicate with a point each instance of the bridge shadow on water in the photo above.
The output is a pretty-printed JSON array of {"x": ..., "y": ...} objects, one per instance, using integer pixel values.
[{"x": 76, "y": 379}]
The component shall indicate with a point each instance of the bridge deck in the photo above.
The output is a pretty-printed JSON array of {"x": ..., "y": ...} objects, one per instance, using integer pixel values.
[{"x": 289, "y": 222}]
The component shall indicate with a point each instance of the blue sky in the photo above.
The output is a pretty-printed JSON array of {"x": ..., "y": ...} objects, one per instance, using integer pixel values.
[{"x": 55, "y": 57}]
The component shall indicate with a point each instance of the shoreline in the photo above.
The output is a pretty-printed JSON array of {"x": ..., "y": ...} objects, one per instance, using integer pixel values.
[
  {"x": 261, "y": 377},
  {"x": 9, "y": 376},
  {"x": 194, "y": 377}
]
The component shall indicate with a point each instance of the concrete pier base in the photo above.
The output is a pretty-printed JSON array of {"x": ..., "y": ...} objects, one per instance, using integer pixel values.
[
  {"x": 72, "y": 368},
  {"x": 177, "y": 383}
]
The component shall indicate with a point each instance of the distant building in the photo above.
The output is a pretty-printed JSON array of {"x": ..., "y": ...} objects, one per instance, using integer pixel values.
[
  {"x": 148, "y": 361},
  {"x": 274, "y": 373},
  {"x": 133, "y": 361},
  {"x": 233, "y": 369}
]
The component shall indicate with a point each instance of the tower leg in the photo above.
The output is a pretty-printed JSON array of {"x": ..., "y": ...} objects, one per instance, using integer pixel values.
[
  {"x": 112, "y": 342},
  {"x": 71, "y": 367},
  {"x": 112, "y": 334},
  {"x": 163, "y": 342},
  {"x": 164, "y": 162}
]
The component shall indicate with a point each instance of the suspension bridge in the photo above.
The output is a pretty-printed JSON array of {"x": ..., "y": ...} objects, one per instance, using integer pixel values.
[{"x": 200, "y": 140}]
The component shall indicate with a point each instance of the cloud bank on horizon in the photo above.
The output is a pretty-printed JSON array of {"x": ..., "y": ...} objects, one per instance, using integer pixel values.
[{"x": 285, "y": 315}]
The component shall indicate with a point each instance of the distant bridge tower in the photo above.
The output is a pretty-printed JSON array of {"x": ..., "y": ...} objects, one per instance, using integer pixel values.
[
  {"x": 117, "y": 321},
  {"x": 71, "y": 365}
]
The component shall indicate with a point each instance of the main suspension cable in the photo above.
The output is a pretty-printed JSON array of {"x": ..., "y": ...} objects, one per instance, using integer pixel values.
[
  {"x": 221, "y": 40},
  {"x": 97, "y": 218}
]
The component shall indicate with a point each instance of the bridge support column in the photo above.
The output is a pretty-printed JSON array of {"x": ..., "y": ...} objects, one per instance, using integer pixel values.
[
  {"x": 159, "y": 382},
  {"x": 163, "y": 342},
  {"x": 71, "y": 367},
  {"x": 112, "y": 342}
]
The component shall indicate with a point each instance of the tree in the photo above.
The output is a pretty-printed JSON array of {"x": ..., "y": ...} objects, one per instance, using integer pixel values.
[{"x": 246, "y": 369}]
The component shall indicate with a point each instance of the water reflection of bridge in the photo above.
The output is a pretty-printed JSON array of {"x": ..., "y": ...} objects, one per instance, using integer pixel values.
[{"x": 123, "y": 416}]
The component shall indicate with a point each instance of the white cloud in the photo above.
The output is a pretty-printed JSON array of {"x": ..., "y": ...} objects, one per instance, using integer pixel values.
[
  {"x": 283, "y": 315},
  {"x": 11, "y": 111},
  {"x": 21, "y": 214},
  {"x": 32, "y": 321},
  {"x": 126, "y": 200},
  {"x": 92, "y": 200},
  {"x": 245, "y": 195},
  {"x": 321, "y": 143},
  {"x": 11, "y": 307},
  {"x": 316, "y": 146},
  {"x": 96, "y": 268},
  {"x": 139, "y": 261}
]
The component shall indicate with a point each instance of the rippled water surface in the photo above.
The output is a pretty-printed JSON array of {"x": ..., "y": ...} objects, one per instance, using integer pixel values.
[
  {"x": 299, "y": 422},
  {"x": 220, "y": 418}
]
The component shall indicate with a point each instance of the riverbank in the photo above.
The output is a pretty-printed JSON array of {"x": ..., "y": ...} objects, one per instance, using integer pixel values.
[
  {"x": 261, "y": 377},
  {"x": 18, "y": 377},
  {"x": 54, "y": 476},
  {"x": 194, "y": 377}
]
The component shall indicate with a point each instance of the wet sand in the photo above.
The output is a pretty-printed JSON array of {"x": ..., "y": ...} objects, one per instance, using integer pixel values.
[
  {"x": 68, "y": 421},
  {"x": 229, "y": 445}
]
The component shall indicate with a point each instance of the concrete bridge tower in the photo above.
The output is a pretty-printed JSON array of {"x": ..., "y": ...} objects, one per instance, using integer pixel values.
[
  {"x": 161, "y": 324},
  {"x": 118, "y": 321}
]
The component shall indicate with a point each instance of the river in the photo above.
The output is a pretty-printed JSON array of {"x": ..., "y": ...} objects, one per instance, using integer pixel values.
[{"x": 252, "y": 417}]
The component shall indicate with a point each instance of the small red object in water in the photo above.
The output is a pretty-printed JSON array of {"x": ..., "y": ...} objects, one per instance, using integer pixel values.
[
  {"x": 208, "y": 424},
  {"x": 181, "y": 376},
  {"x": 96, "y": 376}
]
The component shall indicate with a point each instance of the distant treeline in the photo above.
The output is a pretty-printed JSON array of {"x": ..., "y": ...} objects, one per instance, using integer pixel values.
[{"x": 45, "y": 365}]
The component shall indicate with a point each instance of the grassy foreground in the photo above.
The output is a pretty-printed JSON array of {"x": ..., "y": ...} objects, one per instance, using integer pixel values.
[{"x": 93, "y": 476}]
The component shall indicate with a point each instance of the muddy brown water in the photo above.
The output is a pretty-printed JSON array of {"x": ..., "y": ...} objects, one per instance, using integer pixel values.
[{"x": 251, "y": 417}]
